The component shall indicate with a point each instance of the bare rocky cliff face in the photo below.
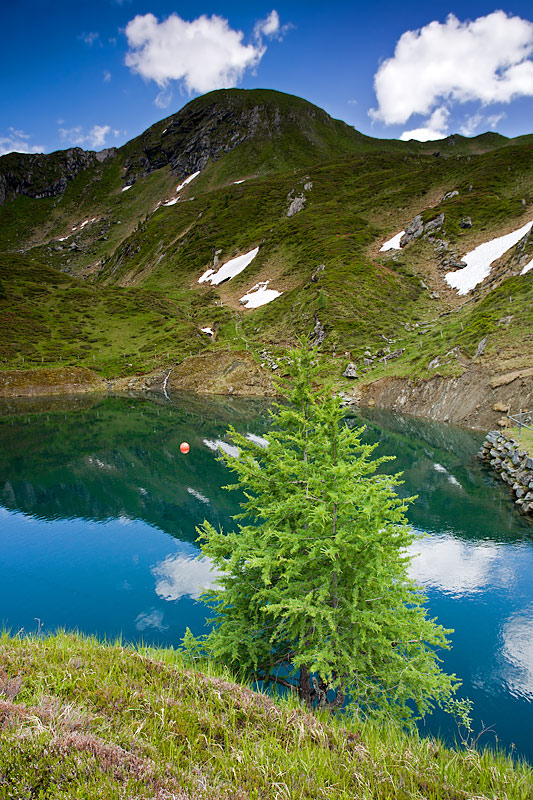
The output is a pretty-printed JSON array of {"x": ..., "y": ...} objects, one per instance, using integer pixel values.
[
  {"x": 477, "y": 398},
  {"x": 44, "y": 175}
]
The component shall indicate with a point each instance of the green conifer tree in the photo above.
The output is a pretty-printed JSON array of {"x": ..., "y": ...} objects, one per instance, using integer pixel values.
[{"x": 313, "y": 591}]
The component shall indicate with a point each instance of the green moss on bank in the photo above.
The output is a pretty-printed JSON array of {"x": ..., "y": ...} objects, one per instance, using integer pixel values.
[{"x": 86, "y": 720}]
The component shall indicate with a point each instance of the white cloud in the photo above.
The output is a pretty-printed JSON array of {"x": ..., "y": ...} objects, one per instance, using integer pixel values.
[
  {"x": 204, "y": 54},
  {"x": 471, "y": 124},
  {"x": 178, "y": 576},
  {"x": 107, "y": 76},
  {"x": 95, "y": 137},
  {"x": 90, "y": 38},
  {"x": 436, "y": 127},
  {"x": 493, "y": 119},
  {"x": 17, "y": 141},
  {"x": 486, "y": 60},
  {"x": 270, "y": 27}
]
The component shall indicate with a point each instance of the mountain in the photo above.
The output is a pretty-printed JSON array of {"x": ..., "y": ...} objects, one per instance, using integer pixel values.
[{"x": 102, "y": 255}]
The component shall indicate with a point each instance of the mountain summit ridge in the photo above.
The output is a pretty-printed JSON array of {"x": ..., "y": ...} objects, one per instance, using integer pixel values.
[{"x": 213, "y": 125}]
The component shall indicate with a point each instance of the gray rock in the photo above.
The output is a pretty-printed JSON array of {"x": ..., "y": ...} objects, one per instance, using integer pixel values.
[
  {"x": 449, "y": 195},
  {"x": 392, "y": 356},
  {"x": 318, "y": 270},
  {"x": 434, "y": 224},
  {"x": 434, "y": 363},
  {"x": 529, "y": 463},
  {"x": 466, "y": 222},
  {"x": 297, "y": 204},
  {"x": 319, "y": 334},
  {"x": 350, "y": 371},
  {"x": 416, "y": 228},
  {"x": 481, "y": 347},
  {"x": 412, "y": 231}
]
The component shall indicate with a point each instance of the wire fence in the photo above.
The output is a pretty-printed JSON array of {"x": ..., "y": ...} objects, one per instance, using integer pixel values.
[{"x": 522, "y": 419}]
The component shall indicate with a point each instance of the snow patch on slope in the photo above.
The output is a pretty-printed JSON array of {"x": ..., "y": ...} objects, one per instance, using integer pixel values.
[
  {"x": 230, "y": 269},
  {"x": 187, "y": 180},
  {"x": 478, "y": 262},
  {"x": 259, "y": 295},
  {"x": 527, "y": 267},
  {"x": 392, "y": 244}
]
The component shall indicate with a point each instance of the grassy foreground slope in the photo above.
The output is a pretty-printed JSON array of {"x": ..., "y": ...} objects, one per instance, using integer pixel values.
[{"x": 87, "y": 720}]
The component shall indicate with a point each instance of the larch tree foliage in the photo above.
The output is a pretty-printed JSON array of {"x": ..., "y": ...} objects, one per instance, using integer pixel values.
[{"x": 313, "y": 591}]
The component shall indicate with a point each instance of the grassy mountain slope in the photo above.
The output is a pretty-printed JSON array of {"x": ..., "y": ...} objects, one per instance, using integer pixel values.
[
  {"x": 82, "y": 719},
  {"x": 140, "y": 307}
]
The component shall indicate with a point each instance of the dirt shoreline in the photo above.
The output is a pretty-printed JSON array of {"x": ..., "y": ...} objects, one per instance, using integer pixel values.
[{"x": 476, "y": 399}]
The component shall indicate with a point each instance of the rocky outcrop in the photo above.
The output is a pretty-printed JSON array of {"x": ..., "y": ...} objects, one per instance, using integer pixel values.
[
  {"x": 417, "y": 228},
  {"x": 319, "y": 334},
  {"x": 350, "y": 371},
  {"x": 475, "y": 398},
  {"x": 513, "y": 465},
  {"x": 296, "y": 205},
  {"x": 44, "y": 175}
]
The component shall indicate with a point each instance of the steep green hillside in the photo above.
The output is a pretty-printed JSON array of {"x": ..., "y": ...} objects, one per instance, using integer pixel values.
[
  {"x": 48, "y": 318},
  {"x": 315, "y": 196}
]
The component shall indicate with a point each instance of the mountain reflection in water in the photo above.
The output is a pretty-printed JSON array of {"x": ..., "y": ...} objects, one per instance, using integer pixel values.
[{"x": 98, "y": 511}]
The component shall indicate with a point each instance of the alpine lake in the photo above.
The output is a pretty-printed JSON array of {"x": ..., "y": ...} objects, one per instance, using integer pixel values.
[{"x": 98, "y": 510}]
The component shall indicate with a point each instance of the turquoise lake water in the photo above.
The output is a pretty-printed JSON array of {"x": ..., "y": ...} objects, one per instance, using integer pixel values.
[{"x": 98, "y": 510}]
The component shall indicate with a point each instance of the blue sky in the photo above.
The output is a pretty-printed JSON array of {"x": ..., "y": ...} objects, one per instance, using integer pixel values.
[{"x": 98, "y": 73}]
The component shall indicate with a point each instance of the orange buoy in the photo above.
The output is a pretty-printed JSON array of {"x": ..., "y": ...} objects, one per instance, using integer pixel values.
[{"x": 184, "y": 447}]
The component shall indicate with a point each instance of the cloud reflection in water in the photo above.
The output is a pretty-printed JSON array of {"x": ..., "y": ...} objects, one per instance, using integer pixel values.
[
  {"x": 178, "y": 576},
  {"x": 454, "y": 566},
  {"x": 517, "y": 650}
]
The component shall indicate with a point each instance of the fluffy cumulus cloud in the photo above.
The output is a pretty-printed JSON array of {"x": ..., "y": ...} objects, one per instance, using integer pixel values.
[
  {"x": 487, "y": 60},
  {"x": 203, "y": 54},
  {"x": 95, "y": 137},
  {"x": 434, "y": 128},
  {"x": 18, "y": 142}
]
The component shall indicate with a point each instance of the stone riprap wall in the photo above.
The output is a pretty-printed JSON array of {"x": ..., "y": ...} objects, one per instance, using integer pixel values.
[{"x": 513, "y": 465}]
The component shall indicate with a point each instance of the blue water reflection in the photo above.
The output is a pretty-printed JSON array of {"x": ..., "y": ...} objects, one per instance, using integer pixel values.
[{"x": 97, "y": 533}]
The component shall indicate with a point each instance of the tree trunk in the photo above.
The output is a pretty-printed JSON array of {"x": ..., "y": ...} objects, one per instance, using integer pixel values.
[{"x": 305, "y": 692}]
